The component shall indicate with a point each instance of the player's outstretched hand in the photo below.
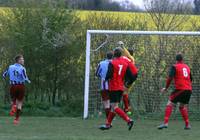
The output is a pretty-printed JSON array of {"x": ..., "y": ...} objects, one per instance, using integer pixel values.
[{"x": 163, "y": 90}]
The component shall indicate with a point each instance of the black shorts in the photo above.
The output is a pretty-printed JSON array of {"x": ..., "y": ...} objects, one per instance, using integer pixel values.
[
  {"x": 115, "y": 96},
  {"x": 181, "y": 96}
]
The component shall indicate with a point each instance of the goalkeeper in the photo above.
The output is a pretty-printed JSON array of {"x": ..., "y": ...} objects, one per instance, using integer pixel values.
[{"x": 128, "y": 55}]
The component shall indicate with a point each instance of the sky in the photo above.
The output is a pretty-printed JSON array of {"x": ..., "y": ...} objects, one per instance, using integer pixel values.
[
  {"x": 141, "y": 4},
  {"x": 136, "y": 2}
]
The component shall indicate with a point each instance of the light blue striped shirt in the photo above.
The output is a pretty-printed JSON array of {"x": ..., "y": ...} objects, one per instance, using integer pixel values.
[
  {"x": 103, "y": 68},
  {"x": 17, "y": 74},
  {"x": 102, "y": 72}
]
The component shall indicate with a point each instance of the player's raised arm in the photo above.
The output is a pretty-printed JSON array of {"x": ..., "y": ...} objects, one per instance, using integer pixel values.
[{"x": 129, "y": 53}]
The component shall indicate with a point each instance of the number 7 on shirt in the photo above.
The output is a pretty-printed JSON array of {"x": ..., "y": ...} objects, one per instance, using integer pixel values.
[{"x": 120, "y": 69}]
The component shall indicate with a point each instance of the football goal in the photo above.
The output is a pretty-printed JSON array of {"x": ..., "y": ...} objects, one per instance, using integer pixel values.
[{"x": 154, "y": 52}]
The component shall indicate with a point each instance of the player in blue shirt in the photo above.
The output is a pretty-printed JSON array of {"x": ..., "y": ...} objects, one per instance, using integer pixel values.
[
  {"x": 101, "y": 73},
  {"x": 17, "y": 77}
]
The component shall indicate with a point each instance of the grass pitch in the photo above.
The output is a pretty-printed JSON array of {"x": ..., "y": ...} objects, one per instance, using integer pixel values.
[{"x": 43, "y": 128}]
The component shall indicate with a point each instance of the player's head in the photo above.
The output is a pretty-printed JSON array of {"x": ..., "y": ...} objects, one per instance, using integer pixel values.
[
  {"x": 118, "y": 52},
  {"x": 131, "y": 50},
  {"x": 109, "y": 55},
  {"x": 19, "y": 59},
  {"x": 179, "y": 57}
]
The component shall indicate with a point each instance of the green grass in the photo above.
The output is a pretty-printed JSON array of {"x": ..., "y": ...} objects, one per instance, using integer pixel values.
[{"x": 43, "y": 128}]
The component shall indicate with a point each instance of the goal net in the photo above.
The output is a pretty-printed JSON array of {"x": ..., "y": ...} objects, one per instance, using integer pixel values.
[{"x": 154, "y": 52}]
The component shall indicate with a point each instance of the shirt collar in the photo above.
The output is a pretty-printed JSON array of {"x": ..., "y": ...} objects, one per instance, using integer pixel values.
[
  {"x": 17, "y": 64},
  {"x": 179, "y": 62}
]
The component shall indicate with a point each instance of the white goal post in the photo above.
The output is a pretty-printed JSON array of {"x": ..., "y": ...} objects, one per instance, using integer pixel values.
[{"x": 119, "y": 32}]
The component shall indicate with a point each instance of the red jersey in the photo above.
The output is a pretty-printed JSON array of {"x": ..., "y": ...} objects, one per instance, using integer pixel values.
[
  {"x": 182, "y": 77},
  {"x": 132, "y": 67},
  {"x": 119, "y": 66}
]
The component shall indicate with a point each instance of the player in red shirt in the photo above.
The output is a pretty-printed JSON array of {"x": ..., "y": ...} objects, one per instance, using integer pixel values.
[
  {"x": 181, "y": 75},
  {"x": 117, "y": 70}
]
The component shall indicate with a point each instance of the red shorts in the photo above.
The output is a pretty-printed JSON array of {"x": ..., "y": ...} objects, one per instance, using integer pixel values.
[
  {"x": 17, "y": 92},
  {"x": 105, "y": 95}
]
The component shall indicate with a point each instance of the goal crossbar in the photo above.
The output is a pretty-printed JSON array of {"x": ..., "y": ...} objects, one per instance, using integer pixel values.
[
  {"x": 143, "y": 32},
  {"x": 121, "y": 32}
]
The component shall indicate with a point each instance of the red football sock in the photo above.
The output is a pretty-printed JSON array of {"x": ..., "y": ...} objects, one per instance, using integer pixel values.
[
  {"x": 168, "y": 112},
  {"x": 107, "y": 111},
  {"x": 184, "y": 113},
  {"x": 18, "y": 113},
  {"x": 122, "y": 114},
  {"x": 13, "y": 108},
  {"x": 126, "y": 102},
  {"x": 110, "y": 118}
]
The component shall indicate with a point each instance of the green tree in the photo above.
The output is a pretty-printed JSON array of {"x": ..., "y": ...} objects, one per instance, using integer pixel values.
[{"x": 47, "y": 35}]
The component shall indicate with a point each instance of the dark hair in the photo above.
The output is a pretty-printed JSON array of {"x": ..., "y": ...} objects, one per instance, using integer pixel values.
[
  {"x": 118, "y": 52},
  {"x": 109, "y": 55},
  {"x": 17, "y": 57},
  {"x": 179, "y": 57},
  {"x": 131, "y": 50}
]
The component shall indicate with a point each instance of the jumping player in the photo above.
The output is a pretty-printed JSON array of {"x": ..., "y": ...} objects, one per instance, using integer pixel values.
[
  {"x": 17, "y": 76},
  {"x": 181, "y": 75},
  {"x": 127, "y": 84},
  {"x": 101, "y": 73},
  {"x": 128, "y": 56},
  {"x": 117, "y": 70}
]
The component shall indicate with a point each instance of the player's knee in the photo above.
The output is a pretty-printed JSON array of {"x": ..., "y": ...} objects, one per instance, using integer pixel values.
[
  {"x": 125, "y": 89},
  {"x": 181, "y": 106},
  {"x": 114, "y": 106},
  {"x": 125, "y": 95},
  {"x": 170, "y": 103},
  {"x": 112, "y": 109},
  {"x": 106, "y": 104},
  {"x": 19, "y": 105}
]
